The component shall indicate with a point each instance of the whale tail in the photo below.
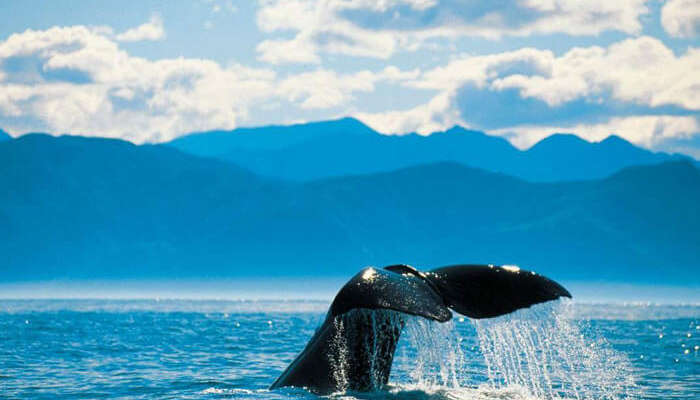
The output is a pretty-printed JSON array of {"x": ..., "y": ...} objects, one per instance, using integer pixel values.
[
  {"x": 354, "y": 348},
  {"x": 487, "y": 291}
]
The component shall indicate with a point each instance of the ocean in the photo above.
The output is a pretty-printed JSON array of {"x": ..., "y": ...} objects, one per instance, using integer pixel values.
[{"x": 206, "y": 349}]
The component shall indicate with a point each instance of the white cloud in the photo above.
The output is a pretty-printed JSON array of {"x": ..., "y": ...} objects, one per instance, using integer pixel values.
[
  {"x": 125, "y": 96},
  {"x": 378, "y": 29},
  {"x": 438, "y": 114},
  {"x": 644, "y": 130},
  {"x": 480, "y": 70},
  {"x": 288, "y": 51},
  {"x": 151, "y": 30},
  {"x": 640, "y": 71},
  {"x": 78, "y": 79},
  {"x": 622, "y": 85},
  {"x": 681, "y": 18},
  {"x": 318, "y": 30},
  {"x": 103, "y": 90},
  {"x": 322, "y": 89}
]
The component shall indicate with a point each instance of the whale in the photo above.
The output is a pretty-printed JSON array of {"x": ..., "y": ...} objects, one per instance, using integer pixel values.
[{"x": 354, "y": 347}]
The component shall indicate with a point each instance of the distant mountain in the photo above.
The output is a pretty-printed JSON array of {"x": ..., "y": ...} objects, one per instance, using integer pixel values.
[
  {"x": 74, "y": 206},
  {"x": 98, "y": 208},
  {"x": 305, "y": 152},
  {"x": 4, "y": 135},
  {"x": 562, "y": 157},
  {"x": 637, "y": 224}
]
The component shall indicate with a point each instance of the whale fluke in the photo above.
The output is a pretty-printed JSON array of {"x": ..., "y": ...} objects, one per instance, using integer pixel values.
[
  {"x": 354, "y": 347},
  {"x": 389, "y": 289},
  {"x": 486, "y": 291}
]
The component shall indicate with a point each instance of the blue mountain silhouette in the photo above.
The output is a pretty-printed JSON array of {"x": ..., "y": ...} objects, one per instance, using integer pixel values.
[
  {"x": 74, "y": 207},
  {"x": 343, "y": 147}
]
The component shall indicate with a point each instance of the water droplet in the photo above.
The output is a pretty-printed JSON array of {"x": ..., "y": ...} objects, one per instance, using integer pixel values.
[{"x": 549, "y": 355}]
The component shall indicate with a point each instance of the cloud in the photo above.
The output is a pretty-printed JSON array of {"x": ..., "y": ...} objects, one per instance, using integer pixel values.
[
  {"x": 77, "y": 79},
  {"x": 498, "y": 18},
  {"x": 681, "y": 18},
  {"x": 151, "y": 30},
  {"x": 318, "y": 29},
  {"x": 436, "y": 115},
  {"x": 530, "y": 86},
  {"x": 640, "y": 71},
  {"x": 124, "y": 96},
  {"x": 322, "y": 89},
  {"x": 651, "y": 131},
  {"x": 288, "y": 51},
  {"x": 379, "y": 29},
  {"x": 636, "y": 87}
]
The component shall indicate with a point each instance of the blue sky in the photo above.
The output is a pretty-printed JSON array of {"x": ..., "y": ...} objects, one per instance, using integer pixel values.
[{"x": 150, "y": 71}]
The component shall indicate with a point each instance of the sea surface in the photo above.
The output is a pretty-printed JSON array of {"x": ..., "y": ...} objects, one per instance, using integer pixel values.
[{"x": 196, "y": 349}]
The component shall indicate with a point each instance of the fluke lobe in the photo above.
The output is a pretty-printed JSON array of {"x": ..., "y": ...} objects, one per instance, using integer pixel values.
[{"x": 354, "y": 348}]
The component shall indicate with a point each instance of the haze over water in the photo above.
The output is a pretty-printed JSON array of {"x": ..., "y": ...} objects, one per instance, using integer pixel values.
[{"x": 202, "y": 349}]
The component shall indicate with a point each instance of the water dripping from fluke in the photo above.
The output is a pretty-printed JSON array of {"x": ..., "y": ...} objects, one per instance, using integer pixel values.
[
  {"x": 537, "y": 353},
  {"x": 552, "y": 356}
]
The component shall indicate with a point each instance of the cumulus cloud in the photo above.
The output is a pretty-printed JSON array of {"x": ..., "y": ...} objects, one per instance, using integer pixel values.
[
  {"x": 636, "y": 87},
  {"x": 296, "y": 50},
  {"x": 77, "y": 79},
  {"x": 378, "y": 29},
  {"x": 318, "y": 29},
  {"x": 123, "y": 96},
  {"x": 681, "y": 18},
  {"x": 644, "y": 130},
  {"x": 151, "y": 30},
  {"x": 326, "y": 89},
  {"x": 436, "y": 115},
  {"x": 639, "y": 71}
]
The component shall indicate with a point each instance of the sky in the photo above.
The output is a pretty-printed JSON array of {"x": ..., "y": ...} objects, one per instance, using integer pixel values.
[{"x": 150, "y": 71}]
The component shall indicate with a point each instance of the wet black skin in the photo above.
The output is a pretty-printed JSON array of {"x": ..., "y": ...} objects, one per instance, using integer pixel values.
[{"x": 354, "y": 347}]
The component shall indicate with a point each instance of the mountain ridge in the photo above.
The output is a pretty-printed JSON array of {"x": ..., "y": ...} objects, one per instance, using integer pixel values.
[
  {"x": 350, "y": 147},
  {"x": 85, "y": 208}
]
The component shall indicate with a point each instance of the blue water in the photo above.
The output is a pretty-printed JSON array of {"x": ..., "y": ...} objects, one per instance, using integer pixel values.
[{"x": 150, "y": 349}]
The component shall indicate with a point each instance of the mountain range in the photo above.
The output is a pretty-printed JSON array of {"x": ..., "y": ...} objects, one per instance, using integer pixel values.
[
  {"x": 75, "y": 207},
  {"x": 346, "y": 146}
]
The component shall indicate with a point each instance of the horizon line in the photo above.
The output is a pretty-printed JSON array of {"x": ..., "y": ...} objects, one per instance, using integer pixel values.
[{"x": 14, "y": 135}]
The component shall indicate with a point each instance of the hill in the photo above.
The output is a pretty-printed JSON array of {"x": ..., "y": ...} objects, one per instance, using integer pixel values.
[
  {"x": 99, "y": 208},
  {"x": 305, "y": 152},
  {"x": 74, "y": 206}
]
